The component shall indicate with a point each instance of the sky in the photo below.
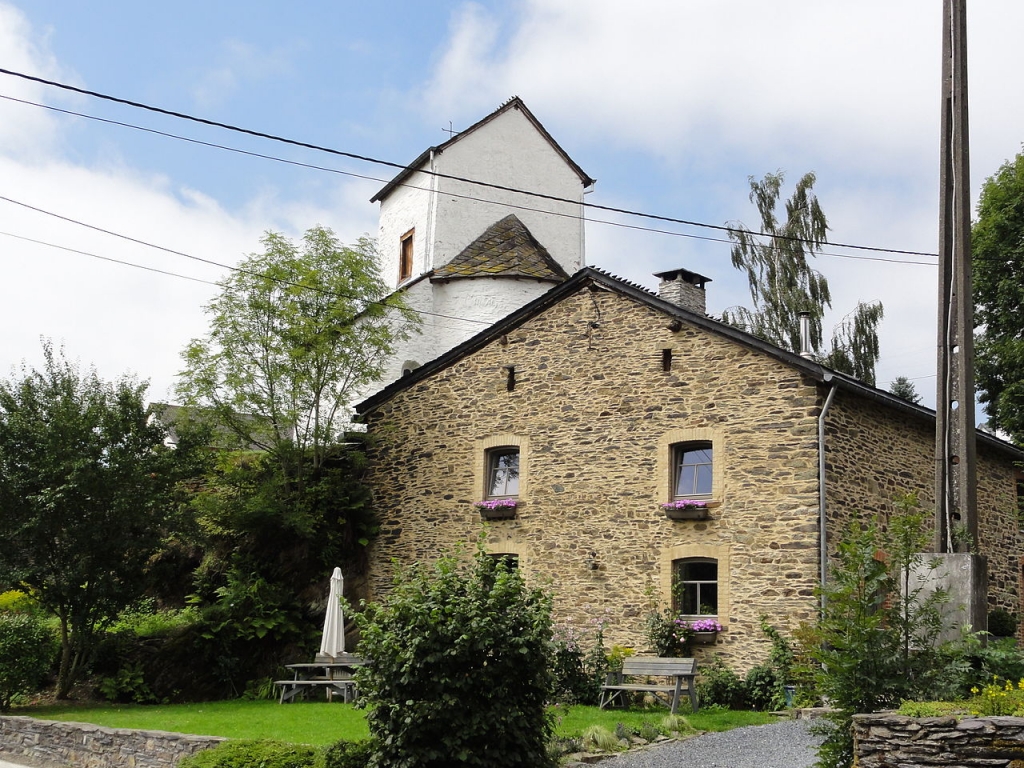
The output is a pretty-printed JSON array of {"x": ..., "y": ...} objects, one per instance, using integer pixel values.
[{"x": 672, "y": 105}]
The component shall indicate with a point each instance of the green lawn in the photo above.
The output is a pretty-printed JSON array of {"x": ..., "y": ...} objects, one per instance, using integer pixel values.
[{"x": 322, "y": 723}]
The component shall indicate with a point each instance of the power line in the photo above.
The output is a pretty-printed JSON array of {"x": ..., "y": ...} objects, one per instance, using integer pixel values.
[
  {"x": 436, "y": 174},
  {"x": 108, "y": 258},
  {"x": 240, "y": 270},
  {"x": 311, "y": 166}
]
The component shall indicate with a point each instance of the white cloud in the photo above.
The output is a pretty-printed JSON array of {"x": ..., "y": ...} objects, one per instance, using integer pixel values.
[
  {"x": 115, "y": 317},
  {"x": 238, "y": 63}
]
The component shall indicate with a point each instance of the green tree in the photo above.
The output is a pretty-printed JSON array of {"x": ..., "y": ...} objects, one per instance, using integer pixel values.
[
  {"x": 876, "y": 637},
  {"x": 904, "y": 388},
  {"x": 783, "y": 284},
  {"x": 997, "y": 250},
  {"x": 295, "y": 333},
  {"x": 86, "y": 486},
  {"x": 462, "y": 668}
]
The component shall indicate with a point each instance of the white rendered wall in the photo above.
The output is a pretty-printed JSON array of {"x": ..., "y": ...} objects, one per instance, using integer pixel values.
[
  {"x": 407, "y": 207},
  {"x": 454, "y": 312},
  {"x": 510, "y": 152},
  {"x": 507, "y": 151}
]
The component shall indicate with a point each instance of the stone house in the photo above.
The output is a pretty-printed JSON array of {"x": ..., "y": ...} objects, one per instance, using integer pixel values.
[
  {"x": 462, "y": 239},
  {"x": 598, "y": 402}
]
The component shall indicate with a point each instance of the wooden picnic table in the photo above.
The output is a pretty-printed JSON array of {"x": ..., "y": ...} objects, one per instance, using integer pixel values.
[{"x": 334, "y": 676}]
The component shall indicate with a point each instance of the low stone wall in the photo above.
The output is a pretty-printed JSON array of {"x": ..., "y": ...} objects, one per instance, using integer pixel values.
[
  {"x": 894, "y": 741},
  {"x": 54, "y": 744}
]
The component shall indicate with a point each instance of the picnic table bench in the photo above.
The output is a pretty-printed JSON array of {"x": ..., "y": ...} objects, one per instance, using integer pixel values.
[
  {"x": 677, "y": 670},
  {"x": 332, "y": 676}
]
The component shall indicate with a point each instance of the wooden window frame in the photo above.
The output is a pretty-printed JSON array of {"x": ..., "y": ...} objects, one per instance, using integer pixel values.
[
  {"x": 678, "y": 455},
  {"x": 405, "y": 255}
]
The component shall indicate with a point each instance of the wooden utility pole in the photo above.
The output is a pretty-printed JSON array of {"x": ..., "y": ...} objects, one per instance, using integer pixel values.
[{"x": 956, "y": 506}]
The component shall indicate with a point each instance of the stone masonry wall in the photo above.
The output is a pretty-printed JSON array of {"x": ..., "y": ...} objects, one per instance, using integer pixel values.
[
  {"x": 594, "y": 415},
  {"x": 894, "y": 741},
  {"x": 53, "y": 744},
  {"x": 875, "y": 454}
]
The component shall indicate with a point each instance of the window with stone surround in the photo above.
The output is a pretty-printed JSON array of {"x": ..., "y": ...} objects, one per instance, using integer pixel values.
[
  {"x": 695, "y": 586},
  {"x": 692, "y": 475},
  {"x": 502, "y": 480}
]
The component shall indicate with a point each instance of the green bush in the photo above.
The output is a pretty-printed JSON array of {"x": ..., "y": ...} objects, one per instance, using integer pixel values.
[
  {"x": 252, "y": 753},
  {"x": 461, "y": 672},
  {"x": 720, "y": 686},
  {"x": 579, "y": 672},
  {"x": 27, "y": 651},
  {"x": 16, "y": 601},
  {"x": 764, "y": 688},
  {"x": 345, "y": 754}
]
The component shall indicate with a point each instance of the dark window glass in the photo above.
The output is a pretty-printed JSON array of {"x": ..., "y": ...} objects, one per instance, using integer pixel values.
[
  {"x": 695, "y": 586},
  {"x": 510, "y": 561},
  {"x": 692, "y": 471},
  {"x": 503, "y": 472}
]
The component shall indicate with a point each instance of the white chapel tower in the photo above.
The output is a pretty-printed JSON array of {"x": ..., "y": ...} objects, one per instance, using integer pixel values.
[{"x": 467, "y": 254}]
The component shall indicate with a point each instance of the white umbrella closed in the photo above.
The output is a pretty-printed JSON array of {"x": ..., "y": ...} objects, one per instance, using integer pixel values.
[{"x": 333, "y": 642}]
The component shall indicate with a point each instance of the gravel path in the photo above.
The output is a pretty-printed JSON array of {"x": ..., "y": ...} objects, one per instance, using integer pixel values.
[{"x": 786, "y": 744}]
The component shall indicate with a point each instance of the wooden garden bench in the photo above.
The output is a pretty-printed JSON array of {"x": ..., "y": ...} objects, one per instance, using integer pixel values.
[{"x": 676, "y": 670}]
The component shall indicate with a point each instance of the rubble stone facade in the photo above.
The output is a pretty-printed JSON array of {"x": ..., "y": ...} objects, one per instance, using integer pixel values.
[{"x": 594, "y": 390}]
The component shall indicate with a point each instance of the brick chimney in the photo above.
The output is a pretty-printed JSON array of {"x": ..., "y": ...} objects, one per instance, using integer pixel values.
[{"x": 684, "y": 288}]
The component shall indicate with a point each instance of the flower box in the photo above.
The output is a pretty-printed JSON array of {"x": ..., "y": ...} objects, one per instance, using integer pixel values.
[
  {"x": 687, "y": 513},
  {"x": 686, "y": 509},
  {"x": 497, "y": 509},
  {"x": 705, "y": 638}
]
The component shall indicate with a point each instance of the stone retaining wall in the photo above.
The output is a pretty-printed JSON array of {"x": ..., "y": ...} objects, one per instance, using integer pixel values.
[
  {"x": 53, "y": 744},
  {"x": 894, "y": 741}
]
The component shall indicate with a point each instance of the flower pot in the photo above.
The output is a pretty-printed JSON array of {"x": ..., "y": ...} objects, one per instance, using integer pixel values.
[
  {"x": 687, "y": 513},
  {"x": 705, "y": 638}
]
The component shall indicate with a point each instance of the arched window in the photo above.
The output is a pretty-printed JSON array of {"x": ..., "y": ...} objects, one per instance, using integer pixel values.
[
  {"x": 692, "y": 470},
  {"x": 502, "y": 473},
  {"x": 695, "y": 586}
]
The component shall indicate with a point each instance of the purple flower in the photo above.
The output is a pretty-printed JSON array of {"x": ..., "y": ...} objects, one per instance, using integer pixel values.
[
  {"x": 706, "y": 625},
  {"x": 496, "y": 504},
  {"x": 685, "y": 504}
]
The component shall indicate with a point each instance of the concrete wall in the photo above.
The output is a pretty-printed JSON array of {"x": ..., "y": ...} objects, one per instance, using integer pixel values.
[
  {"x": 53, "y": 744},
  {"x": 595, "y": 416}
]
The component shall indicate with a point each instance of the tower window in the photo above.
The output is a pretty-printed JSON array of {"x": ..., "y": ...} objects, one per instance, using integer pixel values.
[{"x": 405, "y": 256}]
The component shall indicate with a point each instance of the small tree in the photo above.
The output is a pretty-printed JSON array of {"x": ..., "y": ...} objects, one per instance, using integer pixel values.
[
  {"x": 904, "y": 388},
  {"x": 27, "y": 648},
  {"x": 86, "y": 486},
  {"x": 461, "y": 673},
  {"x": 876, "y": 636}
]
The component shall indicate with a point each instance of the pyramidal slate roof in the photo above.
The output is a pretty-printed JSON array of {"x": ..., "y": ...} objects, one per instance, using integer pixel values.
[{"x": 505, "y": 249}]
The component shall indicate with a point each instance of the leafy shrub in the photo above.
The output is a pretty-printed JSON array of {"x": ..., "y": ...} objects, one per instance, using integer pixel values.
[
  {"x": 1002, "y": 623},
  {"x": 877, "y": 633},
  {"x": 345, "y": 754},
  {"x": 252, "y": 753},
  {"x": 127, "y": 685},
  {"x": 764, "y": 689},
  {"x": 668, "y": 634},
  {"x": 578, "y": 673},
  {"x": 930, "y": 708},
  {"x": 720, "y": 686},
  {"x": 461, "y": 669},
  {"x": 27, "y": 650},
  {"x": 16, "y": 601}
]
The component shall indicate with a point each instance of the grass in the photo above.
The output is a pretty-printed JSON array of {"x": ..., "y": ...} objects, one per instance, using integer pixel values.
[{"x": 323, "y": 723}]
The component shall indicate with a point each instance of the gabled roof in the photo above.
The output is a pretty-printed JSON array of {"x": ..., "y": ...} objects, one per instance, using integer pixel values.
[
  {"x": 514, "y": 103},
  {"x": 505, "y": 249},
  {"x": 591, "y": 276}
]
